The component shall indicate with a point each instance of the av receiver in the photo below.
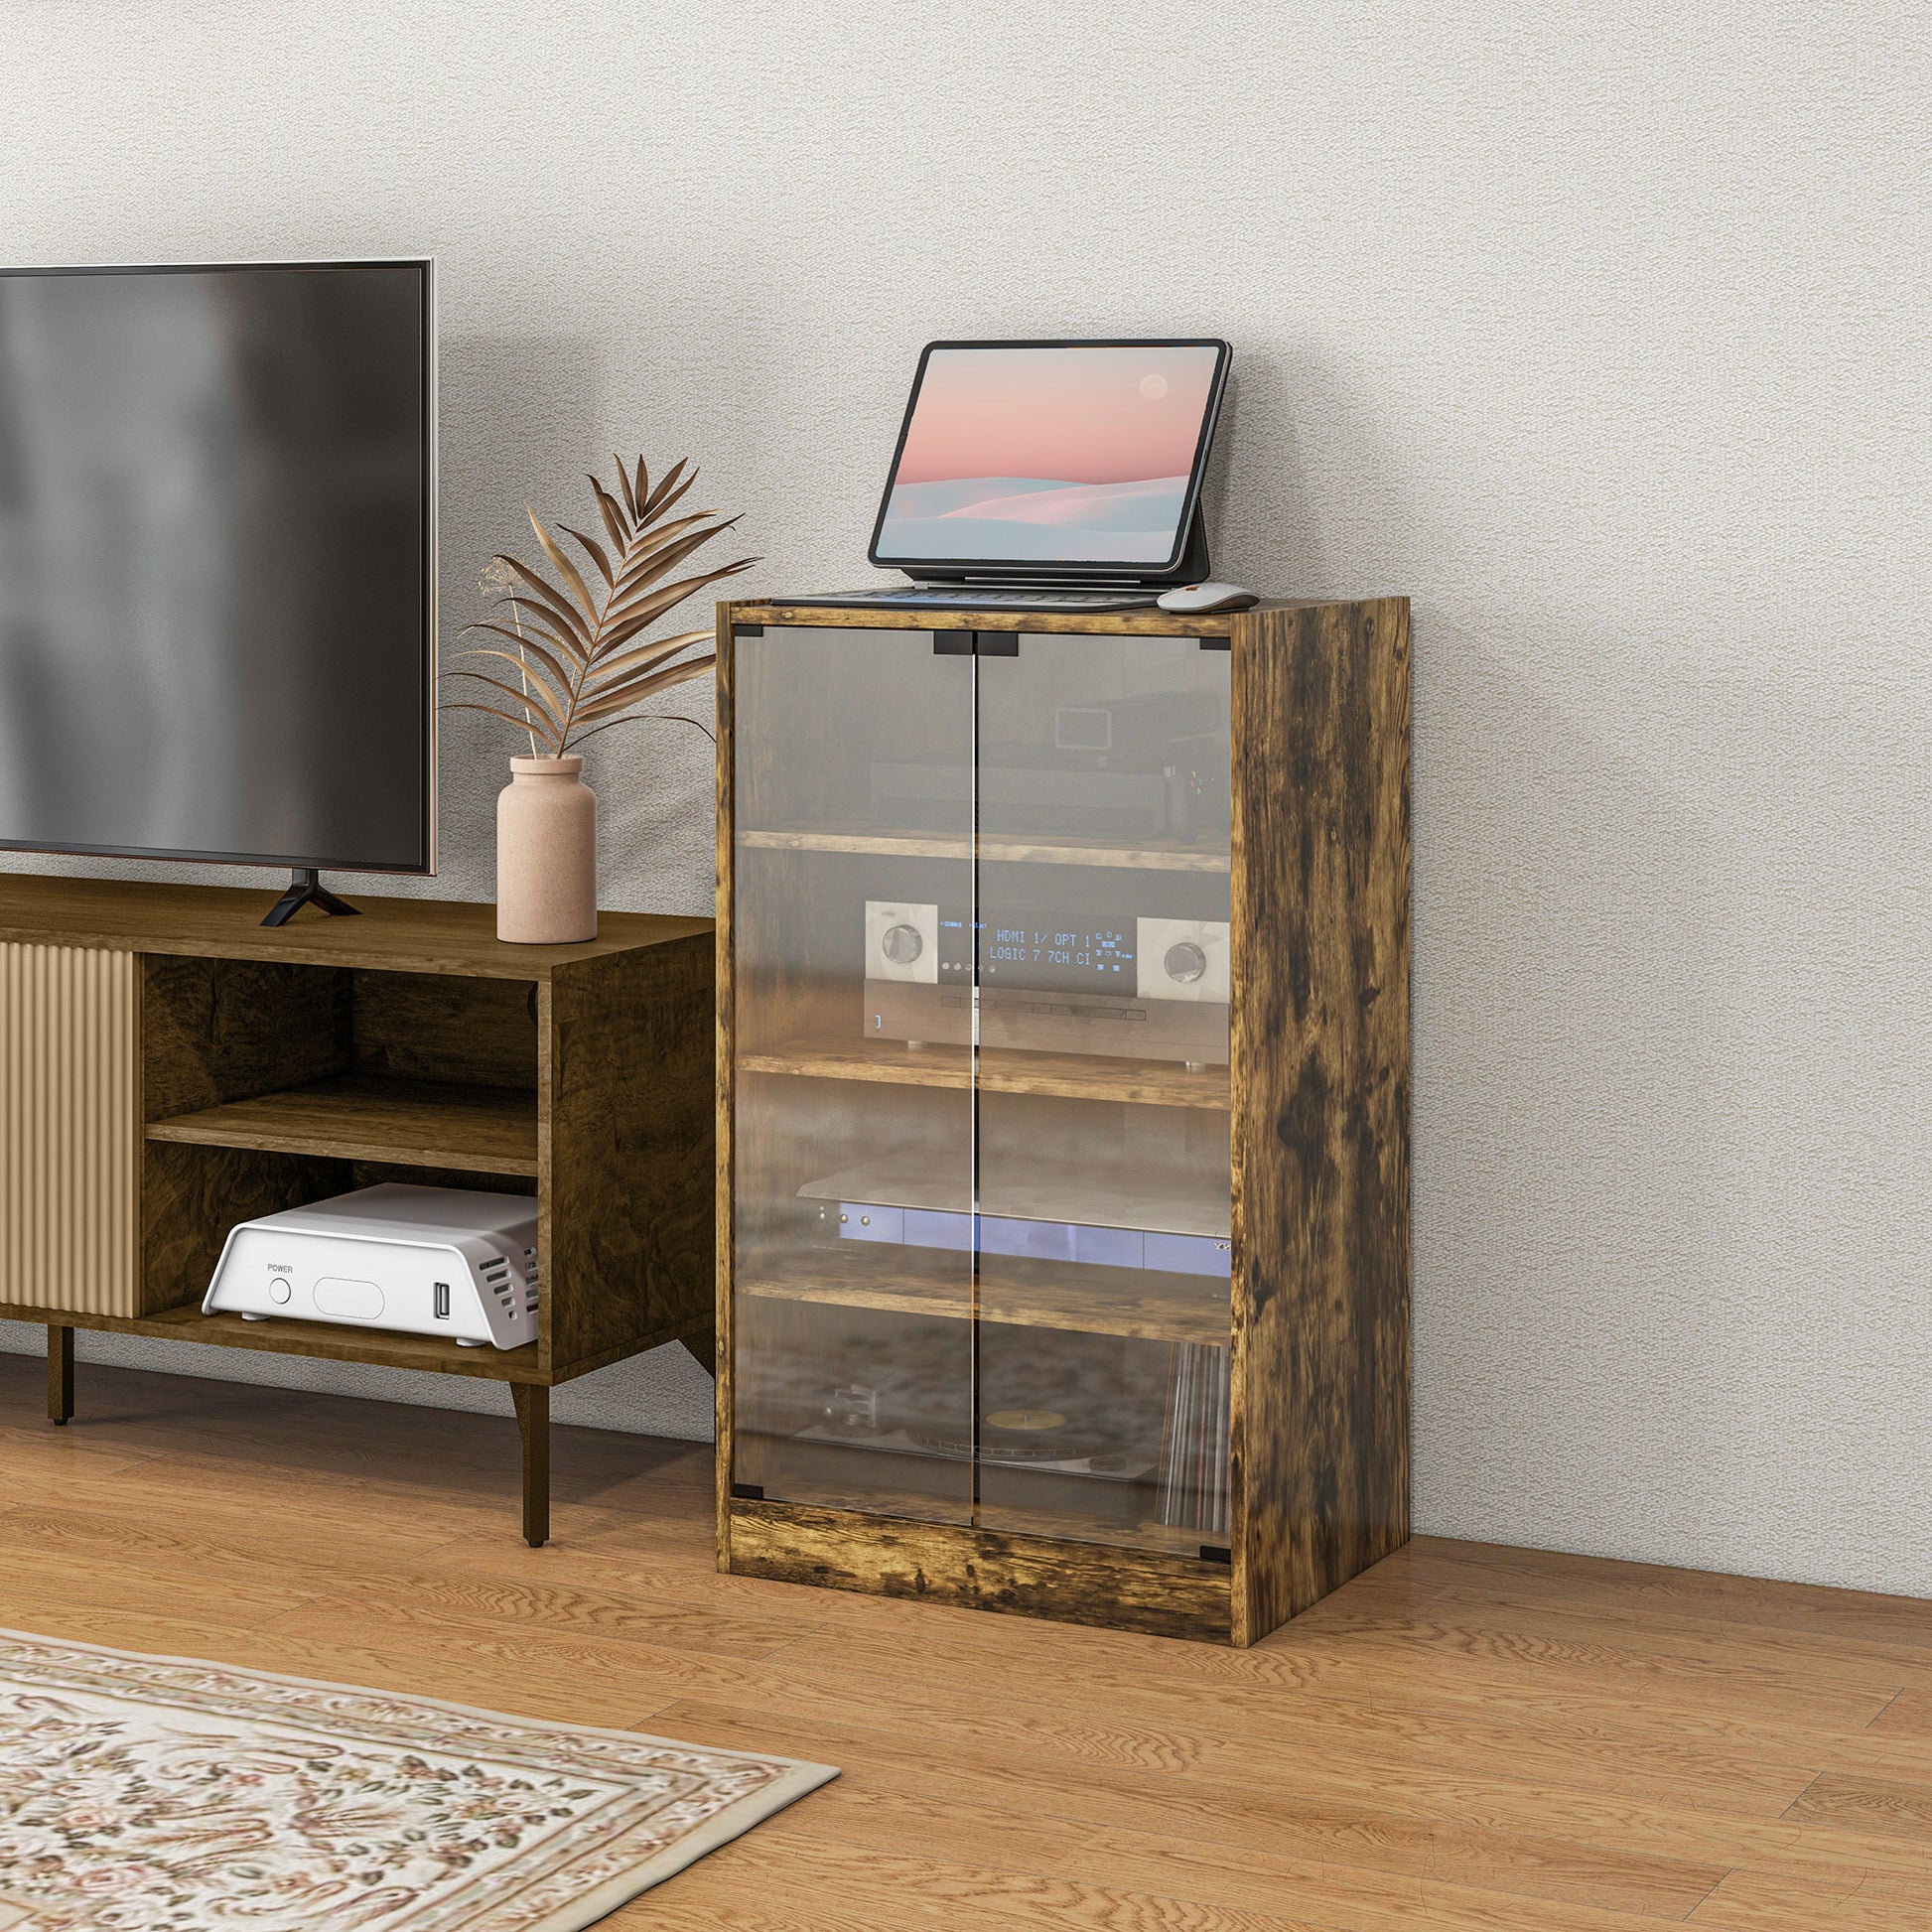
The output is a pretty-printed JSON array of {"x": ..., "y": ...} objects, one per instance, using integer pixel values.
[{"x": 1040, "y": 979}]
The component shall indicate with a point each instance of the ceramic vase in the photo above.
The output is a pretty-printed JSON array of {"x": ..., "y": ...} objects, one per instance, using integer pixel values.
[{"x": 546, "y": 854}]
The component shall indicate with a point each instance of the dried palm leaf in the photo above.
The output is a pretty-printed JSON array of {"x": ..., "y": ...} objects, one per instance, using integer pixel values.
[{"x": 579, "y": 666}]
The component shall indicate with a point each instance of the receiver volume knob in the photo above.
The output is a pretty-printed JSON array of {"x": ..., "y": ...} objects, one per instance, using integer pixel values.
[
  {"x": 1185, "y": 963},
  {"x": 901, "y": 944}
]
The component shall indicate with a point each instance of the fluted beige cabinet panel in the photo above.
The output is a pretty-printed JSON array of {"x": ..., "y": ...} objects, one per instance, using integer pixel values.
[{"x": 70, "y": 1129}]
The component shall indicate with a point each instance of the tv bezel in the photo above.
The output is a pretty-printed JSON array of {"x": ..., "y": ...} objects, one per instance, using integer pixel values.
[
  {"x": 426, "y": 265},
  {"x": 996, "y": 570}
]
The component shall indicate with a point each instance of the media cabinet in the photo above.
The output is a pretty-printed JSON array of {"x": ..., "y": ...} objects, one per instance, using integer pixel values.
[
  {"x": 1064, "y": 1087},
  {"x": 168, "y": 1067}
]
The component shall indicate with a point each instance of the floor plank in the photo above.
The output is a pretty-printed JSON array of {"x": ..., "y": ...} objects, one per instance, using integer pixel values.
[
  {"x": 1471, "y": 1738},
  {"x": 1867, "y": 1805},
  {"x": 1326, "y": 1852},
  {"x": 1756, "y": 1901}
]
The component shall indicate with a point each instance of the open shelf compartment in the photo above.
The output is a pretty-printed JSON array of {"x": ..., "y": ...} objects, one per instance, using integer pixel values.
[
  {"x": 267, "y": 1084},
  {"x": 367, "y": 1117}
]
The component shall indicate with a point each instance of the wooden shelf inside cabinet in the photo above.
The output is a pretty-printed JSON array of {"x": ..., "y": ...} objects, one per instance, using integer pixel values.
[
  {"x": 1013, "y": 1292},
  {"x": 1130, "y": 1539},
  {"x": 360, "y": 1117},
  {"x": 1153, "y": 855},
  {"x": 1080, "y": 1076}
]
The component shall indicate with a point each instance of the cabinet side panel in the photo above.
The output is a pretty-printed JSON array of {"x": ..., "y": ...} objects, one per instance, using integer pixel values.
[
  {"x": 629, "y": 1260},
  {"x": 1320, "y": 1125},
  {"x": 70, "y": 1129},
  {"x": 726, "y": 1074}
]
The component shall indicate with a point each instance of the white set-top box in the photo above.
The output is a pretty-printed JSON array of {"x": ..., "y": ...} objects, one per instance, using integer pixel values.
[{"x": 427, "y": 1261}]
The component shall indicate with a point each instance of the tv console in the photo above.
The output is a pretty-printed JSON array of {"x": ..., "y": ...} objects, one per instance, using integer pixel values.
[{"x": 170, "y": 1067}]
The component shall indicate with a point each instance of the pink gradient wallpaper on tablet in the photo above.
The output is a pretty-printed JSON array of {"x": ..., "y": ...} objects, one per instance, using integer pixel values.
[{"x": 1077, "y": 455}]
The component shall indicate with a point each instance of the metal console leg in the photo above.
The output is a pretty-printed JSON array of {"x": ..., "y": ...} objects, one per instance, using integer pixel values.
[
  {"x": 533, "y": 1419},
  {"x": 60, "y": 1376}
]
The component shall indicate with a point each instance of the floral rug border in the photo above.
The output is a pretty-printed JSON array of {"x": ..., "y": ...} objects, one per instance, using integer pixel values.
[{"x": 648, "y": 1807}]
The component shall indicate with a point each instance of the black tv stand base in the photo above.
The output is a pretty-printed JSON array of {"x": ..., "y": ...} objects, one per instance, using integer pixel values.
[{"x": 305, "y": 888}]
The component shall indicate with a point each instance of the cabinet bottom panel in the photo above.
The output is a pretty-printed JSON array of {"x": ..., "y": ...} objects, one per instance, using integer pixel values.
[{"x": 982, "y": 1570}]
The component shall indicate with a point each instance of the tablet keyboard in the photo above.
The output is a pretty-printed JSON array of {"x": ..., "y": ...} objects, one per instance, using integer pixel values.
[{"x": 968, "y": 599}]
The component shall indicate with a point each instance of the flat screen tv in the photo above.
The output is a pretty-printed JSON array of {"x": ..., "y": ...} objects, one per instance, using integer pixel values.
[{"x": 217, "y": 545}]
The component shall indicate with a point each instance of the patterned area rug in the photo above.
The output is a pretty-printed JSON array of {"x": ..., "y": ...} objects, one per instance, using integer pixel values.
[{"x": 156, "y": 1794}]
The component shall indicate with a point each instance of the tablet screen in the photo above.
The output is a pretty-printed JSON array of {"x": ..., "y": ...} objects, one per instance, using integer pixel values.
[{"x": 1051, "y": 453}]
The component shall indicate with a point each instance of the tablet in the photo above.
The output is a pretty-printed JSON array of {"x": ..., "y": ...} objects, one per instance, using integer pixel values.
[{"x": 1050, "y": 457}]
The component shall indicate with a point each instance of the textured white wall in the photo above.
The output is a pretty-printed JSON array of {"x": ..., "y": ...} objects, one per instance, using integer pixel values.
[{"x": 1598, "y": 331}]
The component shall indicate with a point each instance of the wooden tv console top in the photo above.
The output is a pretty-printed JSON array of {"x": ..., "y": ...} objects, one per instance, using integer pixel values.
[{"x": 398, "y": 936}]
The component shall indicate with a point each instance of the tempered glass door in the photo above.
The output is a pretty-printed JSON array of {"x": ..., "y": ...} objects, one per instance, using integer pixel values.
[
  {"x": 1102, "y": 954},
  {"x": 853, "y": 1214},
  {"x": 981, "y": 967}
]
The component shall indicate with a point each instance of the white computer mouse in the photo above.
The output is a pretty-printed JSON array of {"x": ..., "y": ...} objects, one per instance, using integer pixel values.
[{"x": 1208, "y": 597}]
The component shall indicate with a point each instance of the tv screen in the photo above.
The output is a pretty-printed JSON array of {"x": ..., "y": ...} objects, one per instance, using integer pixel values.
[{"x": 217, "y": 563}]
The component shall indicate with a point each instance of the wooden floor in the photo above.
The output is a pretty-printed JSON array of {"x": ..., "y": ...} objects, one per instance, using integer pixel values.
[{"x": 1473, "y": 1739}]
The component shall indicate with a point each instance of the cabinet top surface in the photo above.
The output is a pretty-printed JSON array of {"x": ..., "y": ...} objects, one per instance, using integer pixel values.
[
  {"x": 1147, "y": 623},
  {"x": 404, "y": 935}
]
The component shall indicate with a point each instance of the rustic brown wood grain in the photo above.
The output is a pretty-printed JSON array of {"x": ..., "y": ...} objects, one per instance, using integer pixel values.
[
  {"x": 1150, "y": 622},
  {"x": 60, "y": 1374},
  {"x": 1082, "y": 1076},
  {"x": 1023, "y": 1293},
  {"x": 357, "y": 1117},
  {"x": 283, "y": 1066},
  {"x": 442, "y": 1026},
  {"x": 191, "y": 1197},
  {"x": 724, "y": 1079},
  {"x": 1321, "y": 1048},
  {"x": 1318, "y": 1099},
  {"x": 329, "y": 1341},
  {"x": 1146, "y": 855},
  {"x": 396, "y": 936},
  {"x": 628, "y": 1165},
  {"x": 943, "y": 1563},
  {"x": 532, "y": 1404},
  {"x": 214, "y": 1031}
]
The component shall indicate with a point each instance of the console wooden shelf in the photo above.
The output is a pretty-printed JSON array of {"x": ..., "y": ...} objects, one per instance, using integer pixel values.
[
  {"x": 1087, "y": 1076},
  {"x": 325, "y": 1340},
  {"x": 1146, "y": 856},
  {"x": 1200, "y": 845},
  {"x": 363, "y": 1117},
  {"x": 1014, "y": 1291},
  {"x": 170, "y": 1067}
]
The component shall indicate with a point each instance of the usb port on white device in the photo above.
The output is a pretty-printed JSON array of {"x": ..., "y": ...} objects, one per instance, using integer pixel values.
[{"x": 442, "y": 1301}]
